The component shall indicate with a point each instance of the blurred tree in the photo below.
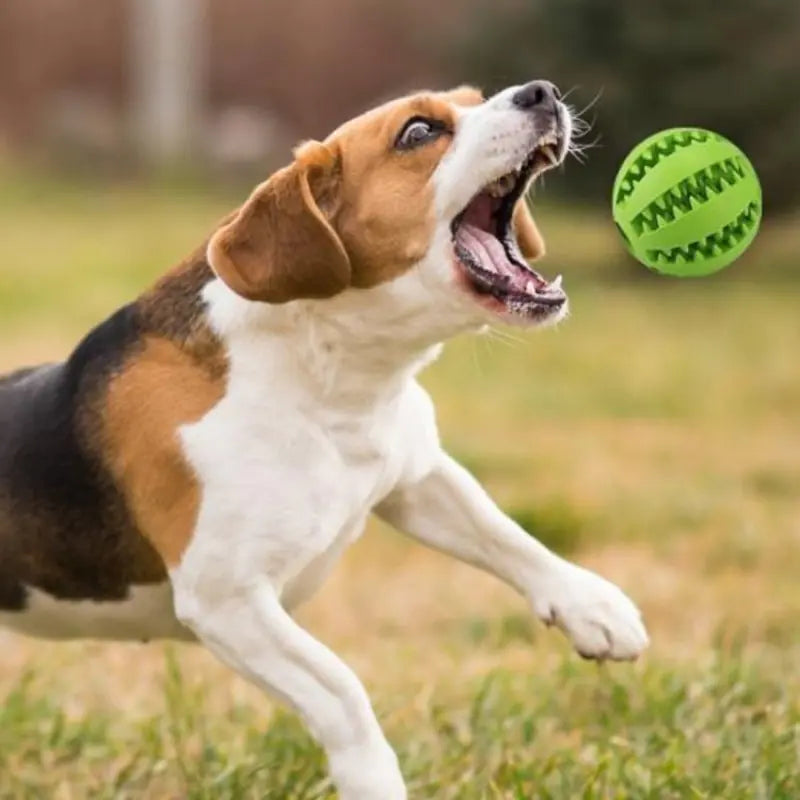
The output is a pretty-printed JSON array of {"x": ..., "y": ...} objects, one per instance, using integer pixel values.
[{"x": 732, "y": 66}]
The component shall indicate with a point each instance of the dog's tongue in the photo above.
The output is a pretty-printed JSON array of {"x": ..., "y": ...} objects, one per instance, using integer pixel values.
[{"x": 486, "y": 248}]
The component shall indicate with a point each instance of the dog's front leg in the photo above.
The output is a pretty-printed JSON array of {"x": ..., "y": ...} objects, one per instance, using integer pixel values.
[
  {"x": 245, "y": 625},
  {"x": 450, "y": 511}
]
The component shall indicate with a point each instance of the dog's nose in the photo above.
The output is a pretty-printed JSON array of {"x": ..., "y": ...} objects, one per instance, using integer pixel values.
[{"x": 536, "y": 94}]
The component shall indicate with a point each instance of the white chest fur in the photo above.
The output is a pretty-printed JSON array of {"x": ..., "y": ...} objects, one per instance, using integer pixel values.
[{"x": 297, "y": 452}]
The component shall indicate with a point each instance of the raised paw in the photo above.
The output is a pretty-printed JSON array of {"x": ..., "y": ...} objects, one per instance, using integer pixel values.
[{"x": 598, "y": 618}]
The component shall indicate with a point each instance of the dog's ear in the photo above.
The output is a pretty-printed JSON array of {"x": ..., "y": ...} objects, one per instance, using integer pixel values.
[
  {"x": 280, "y": 246},
  {"x": 465, "y": 95},
  {"x": 529, "y": 239}
]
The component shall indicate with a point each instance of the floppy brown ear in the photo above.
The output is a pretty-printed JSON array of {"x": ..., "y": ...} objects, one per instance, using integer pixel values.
[
  {"x": 529, "y": 239},
  {"x": 279, "y": 246}
]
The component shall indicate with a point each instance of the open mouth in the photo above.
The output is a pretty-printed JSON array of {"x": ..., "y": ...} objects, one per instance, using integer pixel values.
[{"x": 486, "y": 248}]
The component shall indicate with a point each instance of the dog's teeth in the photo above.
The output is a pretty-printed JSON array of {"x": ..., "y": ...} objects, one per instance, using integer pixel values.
[
  {"x": 502, "y": 186},
  {"x": 549, "y": 154},
  {"x": 530, "y": 287},
  {"x": 555, "y": 284},
  {"x": 496, "y": 189}
]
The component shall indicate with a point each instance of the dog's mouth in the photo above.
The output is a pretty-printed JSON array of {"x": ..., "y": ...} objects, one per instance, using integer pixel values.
[{"x": 486, "y": 249}]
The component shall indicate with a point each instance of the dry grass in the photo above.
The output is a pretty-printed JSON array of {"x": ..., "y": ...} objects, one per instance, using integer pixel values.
[{"x": 654, "y": 436}]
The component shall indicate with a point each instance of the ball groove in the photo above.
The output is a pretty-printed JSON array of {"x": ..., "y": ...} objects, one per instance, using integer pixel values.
[
  {"x": 717, "y": 243},
  {"x": 688, "y": 194},
  {"x": 651, "y": 156}
]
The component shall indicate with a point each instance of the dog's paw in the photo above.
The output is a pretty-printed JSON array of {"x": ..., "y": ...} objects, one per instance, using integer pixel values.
[{"x": 597, "y": 617}]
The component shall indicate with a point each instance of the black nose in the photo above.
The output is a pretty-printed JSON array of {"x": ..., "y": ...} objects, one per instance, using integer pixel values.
[{"x": 536, "y": 94}]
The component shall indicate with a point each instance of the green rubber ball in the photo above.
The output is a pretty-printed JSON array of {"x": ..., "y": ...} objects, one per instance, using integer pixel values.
[{"x": 687, "y": 202}]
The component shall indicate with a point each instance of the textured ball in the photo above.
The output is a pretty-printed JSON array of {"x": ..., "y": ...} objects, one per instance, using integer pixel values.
[{"x": 687, "y": 202}]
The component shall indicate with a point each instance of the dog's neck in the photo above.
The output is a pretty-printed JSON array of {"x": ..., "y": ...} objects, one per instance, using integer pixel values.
[{"x": 356, "y": 350}]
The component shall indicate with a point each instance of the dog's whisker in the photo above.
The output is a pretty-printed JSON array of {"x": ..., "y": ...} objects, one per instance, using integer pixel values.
[
  {"x": 591, "y": 104},
  {"x": 582, "y": 147},
  {"x": 569, "y": 91},
  {"x": 578, "y": 156},
  {"x": 476, "y": 360},
  {"x": 498, "y": 335},
  {"x": 578, "y": 150},
  {"x": 580, "y": 128}
]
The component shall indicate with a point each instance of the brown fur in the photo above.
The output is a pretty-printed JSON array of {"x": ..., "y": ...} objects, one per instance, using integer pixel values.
[
  {"x": 174, "y": 376},
  {"x": 384, "y": 206},
  {"x": 280, "y": 246},
  {"x": 162, "y": 388},
  {"x": 173, "y": 309}
]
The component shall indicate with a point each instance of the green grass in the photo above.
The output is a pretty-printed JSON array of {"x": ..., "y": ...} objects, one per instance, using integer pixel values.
[
  {"x": 719, "y": 729},
  {"x": 653, "y": 436}
]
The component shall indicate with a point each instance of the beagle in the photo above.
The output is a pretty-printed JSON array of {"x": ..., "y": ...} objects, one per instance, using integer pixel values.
[{"x": 196, "y": 466}]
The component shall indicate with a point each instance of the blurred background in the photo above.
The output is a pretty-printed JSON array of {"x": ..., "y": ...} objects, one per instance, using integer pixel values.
[
  {"x": 654, "y": 435},
  {"x": 229, "y": 84}
]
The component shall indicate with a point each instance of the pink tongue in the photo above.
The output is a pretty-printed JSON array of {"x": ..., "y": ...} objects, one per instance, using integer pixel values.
[{"x": 486, "y": 248}]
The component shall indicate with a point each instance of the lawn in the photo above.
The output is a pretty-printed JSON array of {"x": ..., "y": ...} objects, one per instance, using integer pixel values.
[{"x": 653, "y": 436}]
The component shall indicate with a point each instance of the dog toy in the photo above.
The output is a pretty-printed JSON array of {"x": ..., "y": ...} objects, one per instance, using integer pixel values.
[{"x": 687, "y": 202}]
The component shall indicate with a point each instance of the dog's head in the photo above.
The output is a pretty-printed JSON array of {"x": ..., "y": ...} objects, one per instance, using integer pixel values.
[{"x": 418, "y": 202}]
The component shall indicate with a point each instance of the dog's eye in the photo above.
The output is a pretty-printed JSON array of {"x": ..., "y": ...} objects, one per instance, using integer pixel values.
[{"x": 418, "y": 131}]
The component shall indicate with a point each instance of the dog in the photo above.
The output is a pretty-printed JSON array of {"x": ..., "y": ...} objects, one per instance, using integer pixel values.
[{"x": 197, "y": 465}]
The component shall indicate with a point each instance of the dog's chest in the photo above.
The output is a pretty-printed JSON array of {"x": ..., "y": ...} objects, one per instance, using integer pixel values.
[
  {"x": 288, "y": 462},
  {"x": 369, "y": 462},
  {"x": 288, "y": 478}
]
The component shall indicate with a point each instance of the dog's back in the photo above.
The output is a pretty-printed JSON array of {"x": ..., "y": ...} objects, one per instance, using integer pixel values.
[{"x": 64, "y": 525}]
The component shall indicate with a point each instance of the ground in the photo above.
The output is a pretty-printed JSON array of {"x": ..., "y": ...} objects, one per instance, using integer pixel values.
[{"x": 653, "y": 436}]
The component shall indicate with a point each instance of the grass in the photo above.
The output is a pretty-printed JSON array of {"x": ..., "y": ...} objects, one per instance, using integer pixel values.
[
  {"x": 723, "y": 730},
  {"x": 653, "y": 437}
]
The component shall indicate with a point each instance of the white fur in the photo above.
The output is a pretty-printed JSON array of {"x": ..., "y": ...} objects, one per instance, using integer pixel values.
[
  {"x": 493, "y": 139},
  {"x": 322, "y": 422},
  {"x": 146, "y": 613}
]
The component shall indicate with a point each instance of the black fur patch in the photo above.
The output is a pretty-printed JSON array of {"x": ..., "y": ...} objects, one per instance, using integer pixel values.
[{"x": 64, "y": 524}]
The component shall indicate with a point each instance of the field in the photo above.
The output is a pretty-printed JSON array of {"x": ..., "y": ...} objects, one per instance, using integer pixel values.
[{"x": 653, "y": 436}]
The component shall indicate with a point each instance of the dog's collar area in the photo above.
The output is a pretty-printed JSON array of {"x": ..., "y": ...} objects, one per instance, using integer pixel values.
[{"x": 485, "y": 245}]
